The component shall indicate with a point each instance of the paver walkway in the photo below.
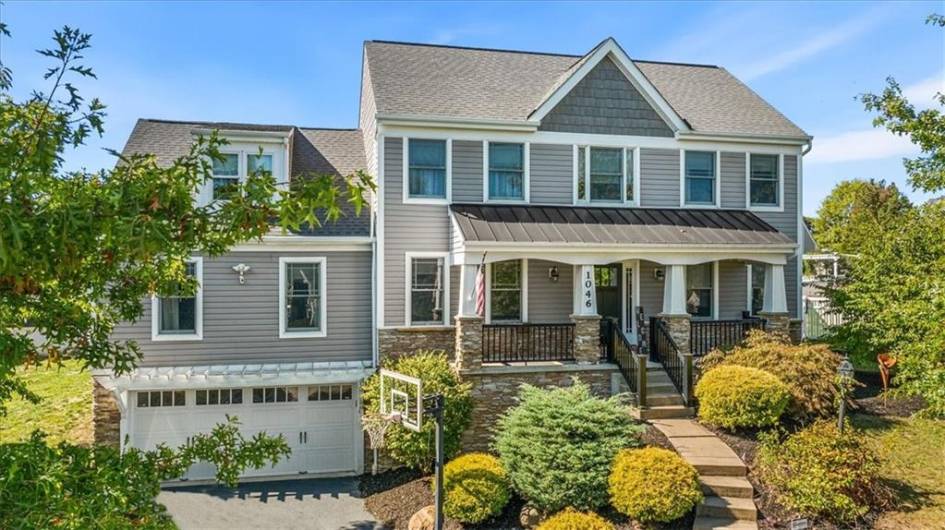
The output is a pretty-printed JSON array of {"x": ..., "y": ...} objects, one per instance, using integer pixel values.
[{"x": 728, "y": 494}]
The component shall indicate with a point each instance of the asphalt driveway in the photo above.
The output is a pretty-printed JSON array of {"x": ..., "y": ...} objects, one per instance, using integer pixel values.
[{"x": 319, "y": 504}]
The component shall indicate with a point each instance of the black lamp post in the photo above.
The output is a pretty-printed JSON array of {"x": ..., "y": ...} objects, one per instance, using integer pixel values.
[{"x": 845, "y": 371}]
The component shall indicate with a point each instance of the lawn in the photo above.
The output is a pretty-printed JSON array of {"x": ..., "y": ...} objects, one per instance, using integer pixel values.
[
  {"x": 912, "y": 451},
  {"x": 65, "y": 412}
]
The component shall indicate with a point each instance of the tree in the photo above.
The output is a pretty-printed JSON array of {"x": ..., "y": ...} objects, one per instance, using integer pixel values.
[
  {"x": 79, "y": 251},
  {"x": 854, "y": 211}
]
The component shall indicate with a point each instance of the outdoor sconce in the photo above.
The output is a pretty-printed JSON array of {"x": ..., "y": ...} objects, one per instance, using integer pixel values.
[
  {"x": 659, "y": 274},
  {"x": 241, "y": 269},
  {"x": 553, "y": 273}
]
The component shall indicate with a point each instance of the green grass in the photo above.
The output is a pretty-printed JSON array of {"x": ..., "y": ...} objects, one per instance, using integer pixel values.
[
  {"x": 65, "y": 412},
  {"x": 912, "y": 451}
]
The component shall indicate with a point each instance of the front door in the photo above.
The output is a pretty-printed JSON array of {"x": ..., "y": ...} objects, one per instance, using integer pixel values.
[{"x": 607, "y": 281}]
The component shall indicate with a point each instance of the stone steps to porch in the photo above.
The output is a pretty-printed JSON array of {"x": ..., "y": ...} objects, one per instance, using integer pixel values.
[{"x": 664, "y": 412}]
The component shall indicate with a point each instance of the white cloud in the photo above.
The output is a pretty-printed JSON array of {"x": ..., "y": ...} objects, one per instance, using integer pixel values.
[
  {"x": 824, "y": 40},
  {"x": 921, "y": 94},
  {"x": 868, "y": 144}
]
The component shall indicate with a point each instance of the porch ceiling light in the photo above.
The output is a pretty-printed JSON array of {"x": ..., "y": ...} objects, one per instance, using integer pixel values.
[{"x": 553, "y": 273}]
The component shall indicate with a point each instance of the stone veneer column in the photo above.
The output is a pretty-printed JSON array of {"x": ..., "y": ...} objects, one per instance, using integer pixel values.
[
  {"x": 679, "y": 326},
  {"x": 779, "y": 323},
  {"x": 468, "y": 342},
  {"x": 106, "y": 417},
  {"x": 586, "y": 338}
]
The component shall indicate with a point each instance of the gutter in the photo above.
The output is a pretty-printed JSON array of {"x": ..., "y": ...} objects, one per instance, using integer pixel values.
[{"x": 449, "y": 122}]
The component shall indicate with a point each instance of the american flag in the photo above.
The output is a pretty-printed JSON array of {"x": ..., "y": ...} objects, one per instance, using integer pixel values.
[{"x": 481, "y": 289}]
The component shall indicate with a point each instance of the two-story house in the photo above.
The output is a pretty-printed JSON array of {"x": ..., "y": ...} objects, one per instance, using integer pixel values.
[{"x": 584, "y": 187}]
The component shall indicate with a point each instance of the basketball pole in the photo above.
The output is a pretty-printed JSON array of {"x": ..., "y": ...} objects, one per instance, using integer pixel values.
[{"x": 436, "y": 410}]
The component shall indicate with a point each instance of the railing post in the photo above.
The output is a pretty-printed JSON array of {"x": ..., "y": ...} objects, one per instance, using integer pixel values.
[
  {"x": 688, "y": 378},
  {"x": 469, "y": 346},
  {"x": 641, "y": 381}
]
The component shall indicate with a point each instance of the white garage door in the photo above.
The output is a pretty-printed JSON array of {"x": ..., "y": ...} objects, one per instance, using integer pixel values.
[{"x": 319, "y": 422}]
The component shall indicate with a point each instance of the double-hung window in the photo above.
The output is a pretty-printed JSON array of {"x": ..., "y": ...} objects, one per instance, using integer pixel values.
[
  {"x": 178, "y": 316},
  {"x": 236, "y": 165},
  {"x": 605, "y": 174},
  {"x": 226, "y": 176},
  {"x": 506, "y": 171},
  {"x": 505, "y": 291},
  {"x": 302, "y": 297},
  {"x": 700, "y": 178},
  {"x": 428, "y": 290},
  {"x": 764, "y": 180},
  {"x": 699, "y": 286},
  {"x": 426, "y": 169}
]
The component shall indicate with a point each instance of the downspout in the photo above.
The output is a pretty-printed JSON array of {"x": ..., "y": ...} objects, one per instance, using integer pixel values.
[{"x": 800, "y": 237}]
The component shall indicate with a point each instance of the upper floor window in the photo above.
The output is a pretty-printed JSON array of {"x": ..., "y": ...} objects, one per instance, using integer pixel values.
[
  {"x": 302, "y": 297},
  {"x": 426, "y": 168},
  {"x": 178, "y": 316},
  {"x": 505, "y": 291},
  {"x": 427, "y": 290},
  {"x": 506, "y": 171},
  {"x": 237, "y": 162},
  {"x": 700, "y": 177},
  {"x": 699, "y": 287},
  {"x": 764, "y": 180},
  {"x": 605, "y": 174},
  {"x": 226, "y": 176}
]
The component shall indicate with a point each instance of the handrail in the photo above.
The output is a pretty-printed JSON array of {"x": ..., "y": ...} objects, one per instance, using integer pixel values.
[
  {"x": 620, "y": 352},
  {"x": 666, "y": 352},
  {"x": 511, "y": 343}
]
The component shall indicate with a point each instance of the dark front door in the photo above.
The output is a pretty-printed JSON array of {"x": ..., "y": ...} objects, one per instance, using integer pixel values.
[{"x": 607, "y": 280}]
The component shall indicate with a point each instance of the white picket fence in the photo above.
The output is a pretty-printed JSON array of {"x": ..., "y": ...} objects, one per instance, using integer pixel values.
[{"x": 819, "y": 317}]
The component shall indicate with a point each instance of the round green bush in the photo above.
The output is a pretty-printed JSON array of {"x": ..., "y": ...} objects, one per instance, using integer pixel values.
[
  {"x": 653, "y": 484},
  {"x": 738, "y": 397},
  {"x": 475, "y": 487},
  {"x": 557, "y": 445},
  {"x": 821, "y": 472},
  {"x": 416, "y": 449},
  {"x": 570, "y": 519}
]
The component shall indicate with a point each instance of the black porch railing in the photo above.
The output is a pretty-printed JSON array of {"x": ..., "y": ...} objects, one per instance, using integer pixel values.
[
  {"x": 666, "y": 352},
  {"x": 707, "y": 335},
  {"x": 514, "y": 343},
  {"x": 617, "y": 349}
]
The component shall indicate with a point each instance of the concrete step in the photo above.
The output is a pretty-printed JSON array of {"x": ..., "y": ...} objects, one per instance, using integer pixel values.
[
  {"x": 728, "y": 507},
  {"x": 660, "y": 388},
  {"x": 718, "y": 467},
  {"x": 666, "y": 411},
  {"x": 663, "y": 398},
  {"x": 722, "y": 523},
  {"x": 722, "y": 486}
]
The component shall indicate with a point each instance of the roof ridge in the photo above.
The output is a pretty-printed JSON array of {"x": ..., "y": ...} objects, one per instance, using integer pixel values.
[
  {"x": 204, "y": 122},
  {"x": 675, "y": 63},
  {"x": 348, "y": 129},
  {"x": 475, "y": 48}
]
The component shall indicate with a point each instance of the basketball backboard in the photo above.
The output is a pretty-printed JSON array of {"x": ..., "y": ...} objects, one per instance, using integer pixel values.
[{"x": 402, "y": 398}]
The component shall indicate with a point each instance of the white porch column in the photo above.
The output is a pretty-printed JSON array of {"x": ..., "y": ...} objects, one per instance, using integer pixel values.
[
  {"x": 775, "y": 297},
  {"x": 674, "y": 290},
  {"x": 585, "y": 299},
  {"x": 467, "y": 291}
]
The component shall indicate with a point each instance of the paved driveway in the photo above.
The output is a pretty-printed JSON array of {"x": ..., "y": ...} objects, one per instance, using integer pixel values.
[{"x": 320, "y": 504}]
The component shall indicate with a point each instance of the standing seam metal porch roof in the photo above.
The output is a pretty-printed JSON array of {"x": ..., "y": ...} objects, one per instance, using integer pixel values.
[{"x": 613, "y": 226}]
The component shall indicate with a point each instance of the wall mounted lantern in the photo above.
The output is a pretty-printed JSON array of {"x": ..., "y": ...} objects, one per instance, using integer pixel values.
[
  {"x": 241, "y": 269},
  {"x": 553, "y": 273}
]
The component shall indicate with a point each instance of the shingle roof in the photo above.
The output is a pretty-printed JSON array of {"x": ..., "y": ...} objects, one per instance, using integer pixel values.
[
  {"x": 336, "y": 151},
  {"x": 625, "y": 226},
  {"x": 454, "y": 82}
]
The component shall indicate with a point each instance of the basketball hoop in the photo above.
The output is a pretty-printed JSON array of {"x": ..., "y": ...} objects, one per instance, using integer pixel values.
[{"x": 376, "y": 425}]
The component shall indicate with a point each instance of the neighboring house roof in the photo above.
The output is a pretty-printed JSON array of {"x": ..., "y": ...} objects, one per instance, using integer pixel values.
[
  {"x": 422, "y": 80},
  {"x": 335, "y": 151},
  {"x": 630, "y": 226}
]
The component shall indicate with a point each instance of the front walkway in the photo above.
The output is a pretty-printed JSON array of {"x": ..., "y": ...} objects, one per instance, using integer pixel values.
[
  {"x": 320, "y": 504},
  {"x": 728, "y": 494}
]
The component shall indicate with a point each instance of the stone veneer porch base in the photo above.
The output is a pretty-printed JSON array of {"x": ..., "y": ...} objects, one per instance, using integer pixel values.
[
  {"x": 495, "y": 389},
  {"x": 410, "y": 340}
]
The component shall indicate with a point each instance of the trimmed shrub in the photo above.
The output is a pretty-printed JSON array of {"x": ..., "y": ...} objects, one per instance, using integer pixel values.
[
  {"x": 570, "y": 519},
  {"x": 416, "y": 449},
  {"x": 653, "y": 484},
  {"x": 809, "y": 370},
  {"x": 822, "y": 472},
  {"x": 557, "y": 445},
  {"x": 476, "y": 488},
  {"x": 738, "y": 397}
]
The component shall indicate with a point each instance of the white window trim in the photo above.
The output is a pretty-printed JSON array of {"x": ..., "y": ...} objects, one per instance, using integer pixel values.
[
  {"x": 714, "y": 306},
  {"x": 156, "y": 334},
  {"x": 523, "y": 305},
  {"x": 408, "y": 284},
  {"x": 323, "y": 297},
  {"x": 764, "y": 207},
  {"x": 526, "y": 169},
  {"x": 627, "y": 312},
  {"x": 717, "y": 192},
  {"x": 584, "y": 151},
  {"x": 242, "y": 150},
  {"x": 407, "y": 199}
]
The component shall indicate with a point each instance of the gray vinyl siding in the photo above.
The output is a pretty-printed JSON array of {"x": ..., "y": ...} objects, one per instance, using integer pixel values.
[
  {"x": 241, "y": 322},
  {"x": 407, "y": 228},
  {"x": 548, "y": 301},
  {"x": 659, "y": 183},
  {"x": 467, "y": 171},
  {"x": 605, "y": 102},
  {"x": 733, "y": 180},
  {"x": 733, "y": 285},
  {"x": 551, "y": 173},
  {"x": 651, "y": 289},
  {"x": 786, "y": 223}
]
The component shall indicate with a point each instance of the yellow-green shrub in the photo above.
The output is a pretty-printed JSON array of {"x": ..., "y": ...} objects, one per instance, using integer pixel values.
[
  {"x": 570, "y": 519},
  {"x": 735, "y": 397},
  {"x": 809, "y": 370},
  {"x": 475, "y": 487},
  {"x": 822, "y": 472},
  {"x": 653, "y": 484}
]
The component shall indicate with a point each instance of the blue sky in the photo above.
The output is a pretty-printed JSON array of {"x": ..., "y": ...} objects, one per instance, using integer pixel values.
[{"x": 299, "y": 63}]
